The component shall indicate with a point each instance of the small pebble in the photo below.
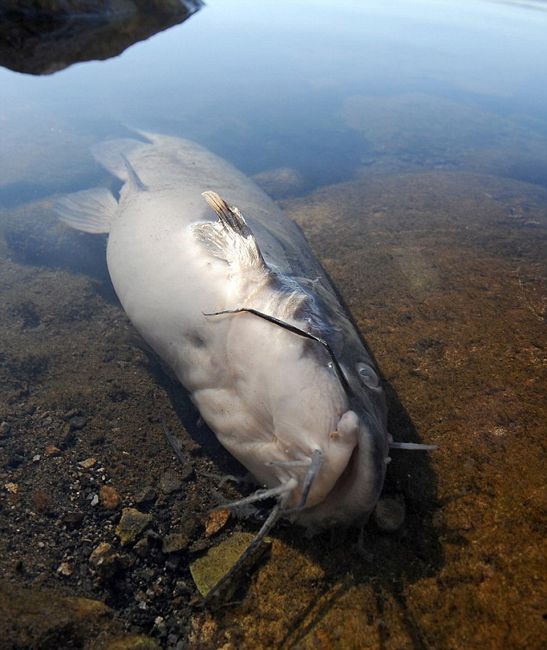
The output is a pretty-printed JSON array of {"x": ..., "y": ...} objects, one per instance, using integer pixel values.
[
  {"x": 88, "y": 463},
  {"x": 216, "y": 520},
  {"x": 36, "y": 458},
  {"x": 52, "y": 450},
  {"x": 65, "y": 569},
  {"x": 132, "y": 524},
  {"x": 77, "y": 422},
  {"x": 12, "y": 488},
  {"x": 109, "y": 497},
  {"x": 98, "y": 554},
  {"x": 390, "y": 514},
  {"x": 95, "y": 500},
  {"x": 170, "y": 482},
  {"x": 146, "y": 496}
]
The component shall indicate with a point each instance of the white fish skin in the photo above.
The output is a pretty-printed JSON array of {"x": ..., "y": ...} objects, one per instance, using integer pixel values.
[{"x": 271, "y": 396}]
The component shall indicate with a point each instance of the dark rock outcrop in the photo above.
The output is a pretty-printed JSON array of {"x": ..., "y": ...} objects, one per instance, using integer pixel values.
[{"x": 45, "y": 36}]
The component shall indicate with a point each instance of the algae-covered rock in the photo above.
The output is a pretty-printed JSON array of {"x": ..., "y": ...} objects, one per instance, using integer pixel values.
[
  {"x": 41, "y": 619},
  {"x": 132, "y": 524},
  {"x": 208, "y": 570}
]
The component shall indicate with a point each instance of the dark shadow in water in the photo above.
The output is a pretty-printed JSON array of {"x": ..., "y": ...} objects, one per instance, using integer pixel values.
[{"x": 44, "y": 37}]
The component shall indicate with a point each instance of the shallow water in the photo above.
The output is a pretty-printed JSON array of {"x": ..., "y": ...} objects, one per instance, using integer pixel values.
[{"x": 410, "y": 143}]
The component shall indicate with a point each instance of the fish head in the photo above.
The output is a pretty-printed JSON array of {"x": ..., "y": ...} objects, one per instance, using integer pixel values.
[
  {"x": 354, "y": 494},
  {"x": 320, "y": 432}
]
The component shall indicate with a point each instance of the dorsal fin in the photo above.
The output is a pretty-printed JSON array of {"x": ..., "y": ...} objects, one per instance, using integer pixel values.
[
  {"x": 134, "y": 179},
  {"x": 230, "y": 238}
]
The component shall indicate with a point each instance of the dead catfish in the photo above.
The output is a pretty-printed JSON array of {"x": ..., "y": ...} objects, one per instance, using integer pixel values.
[{"x": 224, "y": 287}]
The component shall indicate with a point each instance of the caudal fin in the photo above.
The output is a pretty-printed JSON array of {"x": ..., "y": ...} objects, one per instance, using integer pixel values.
[{"x": 90, "y": 211}]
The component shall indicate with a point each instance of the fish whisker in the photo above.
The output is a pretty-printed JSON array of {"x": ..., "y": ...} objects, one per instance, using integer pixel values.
[{"x": 262, "y": 495}]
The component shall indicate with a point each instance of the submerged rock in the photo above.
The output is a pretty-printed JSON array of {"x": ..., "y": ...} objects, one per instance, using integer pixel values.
[
  {"x": 132, "y": 524},
  {"x": 208, "y": 570},
  {"x": 390, "y": 514}
]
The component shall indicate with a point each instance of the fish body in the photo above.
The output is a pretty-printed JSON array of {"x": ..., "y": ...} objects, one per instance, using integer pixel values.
[{"x": 302, "y": 409}]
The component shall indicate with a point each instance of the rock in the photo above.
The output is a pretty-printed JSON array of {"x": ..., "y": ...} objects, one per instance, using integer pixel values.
[
  {"x": 209, "y": 569},
  {"x": 215, "y": 522},
  {"x": 52, "y": 451},
  {"x": 179, "y": 539},
  {"x": 99, "y": 553},
  {"x": 88, "y": 463},
  {"x": 170, "y": 482},
  {"x": 12, "y": 488},
  {"x": 65, "y": 569},
  {"x": 32, "y": 618},
  {"x": 95, "y": 500},
  {"x": 390, "y": 514},
  {"x": 77, "y": 422},
  {"x": 73, "y": 520},
  {"x": 132, "y": 524},
  {"x": 146, "y": 496},
  {"x": 109, "y": 497},
  {"x": 142, "y": 547},
  {"x": 44, "y": 36},
  {"x": 107, "y": 562},
  {"x": 36, "y": 458}
]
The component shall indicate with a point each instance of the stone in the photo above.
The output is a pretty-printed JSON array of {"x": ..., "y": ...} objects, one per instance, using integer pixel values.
[
  {"x": 12, "y": 488},
  {"x": 390, "y": 514},
  {"x": 73, "y": 520},
  {"x": 77, "y": 422},
  {"x": 215, "y": 522},
  {"x": 65, "y": 569},
  {"x": 146, "y": 496},
  {"x": 109, "y": 497},
  {"x": 99, "y": 553},
  {"x": 132, "y": 524},
  {"x": 170, "y": 482},
  {"x": 209, "y": 569},
  {"x": 88, "y": 463},
  {"x": 36, "y": 618},
  {"x": 52, "y": 451},
  {"x": 180, "y": 539}
]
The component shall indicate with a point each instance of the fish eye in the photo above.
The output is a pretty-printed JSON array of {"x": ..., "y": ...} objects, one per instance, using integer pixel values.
[{"x": 367, "y": 376}]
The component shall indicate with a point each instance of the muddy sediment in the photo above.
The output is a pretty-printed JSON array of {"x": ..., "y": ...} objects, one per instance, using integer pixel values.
[{"x": 443, "y": 273}]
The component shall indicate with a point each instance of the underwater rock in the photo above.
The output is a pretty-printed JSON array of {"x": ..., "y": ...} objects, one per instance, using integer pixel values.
[
  {"x": 132, "y": 524},
  {"x": 180, "y": 539},
  {"x": 390, "y": 514},
  {"x": 109, "y": 497},
  {"x": 170, "y": 482},
  {"x": 36, "y": 619},
  {"x": 209, "y": 569},
  {"x": 146, "y": 496},
  {"x": 215, "y": 522}
]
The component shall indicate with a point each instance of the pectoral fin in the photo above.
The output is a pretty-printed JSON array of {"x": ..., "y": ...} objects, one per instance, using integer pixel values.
[
  {"x": 230, "y": 238},
  {"x": 91, "y": 210}
]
